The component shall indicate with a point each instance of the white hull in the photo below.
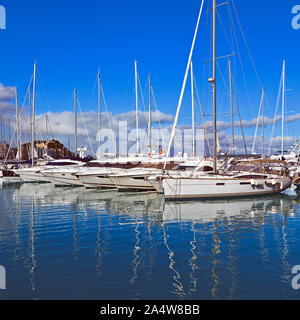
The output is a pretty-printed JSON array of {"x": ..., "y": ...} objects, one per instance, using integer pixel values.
[
  {"x": 91, "y": 181},
  {"x": 63, "y": 179},
  {"x": 39, "y": 173},
  {"x": 33, "y": 177},
  {"x": 132, "y": 183},
  {"x": 135, "y": 179},
  {"x": 197, "y": 188}
]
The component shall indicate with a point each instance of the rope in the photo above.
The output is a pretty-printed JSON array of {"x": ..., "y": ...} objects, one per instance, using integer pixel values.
[
  {"x": 276, "y": 110},
  {"x": 20, "y": 114},
  {"x": 206, "y": 133},
  {"x": 108, "y": 119},
  {"x": 83, "y": 120}
]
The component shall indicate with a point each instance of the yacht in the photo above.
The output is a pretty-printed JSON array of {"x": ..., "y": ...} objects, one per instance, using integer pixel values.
[
  {"x": 37, "y": 173},
  {"x": 223, "y": 186},
  {"x": 125, "y": 174}
]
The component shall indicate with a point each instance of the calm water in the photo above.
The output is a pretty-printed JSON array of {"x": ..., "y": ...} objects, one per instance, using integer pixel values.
[{"x": 63, "y": 243}]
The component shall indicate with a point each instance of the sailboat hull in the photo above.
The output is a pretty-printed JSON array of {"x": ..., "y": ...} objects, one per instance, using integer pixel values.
[{"x": 193, "y": 188}]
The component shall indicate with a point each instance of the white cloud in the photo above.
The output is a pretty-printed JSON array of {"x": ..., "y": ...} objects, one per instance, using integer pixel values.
[{"x": 7, "y": 95}]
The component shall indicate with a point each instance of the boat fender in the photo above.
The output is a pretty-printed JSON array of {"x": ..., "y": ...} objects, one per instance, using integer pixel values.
[
  {"x": 252, "y": 182},
  {"x": 274, "y": 182}
]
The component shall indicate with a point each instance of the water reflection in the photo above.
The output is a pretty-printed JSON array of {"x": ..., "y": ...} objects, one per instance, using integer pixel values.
[{"x": 145, "y": 247}]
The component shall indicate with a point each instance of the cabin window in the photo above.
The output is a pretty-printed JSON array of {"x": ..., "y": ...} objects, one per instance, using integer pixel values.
[
  {"x": 245, "y": 183},
  {"x": 220, "y": 184}
]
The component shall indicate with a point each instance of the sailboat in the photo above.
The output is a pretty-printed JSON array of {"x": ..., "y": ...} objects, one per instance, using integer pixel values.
[{"x": 215, "y": 184}]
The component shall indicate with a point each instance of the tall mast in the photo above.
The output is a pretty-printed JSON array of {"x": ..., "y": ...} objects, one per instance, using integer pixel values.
[
  {"x": 231, "y": 107},
  {"x": 283, "y": 107},
  {"x": 193, "y": 109},
  {"x": 263, "y": 123},
  {"x": 136, "y": 107},
  {"x": 47, "y": 136},
  {"x": 150, "y": 118},
  {"x": 99, "y": 112},
  {"x": 9, "y": 132},
  {"x": 18, "y": 132},
  {"x": 33, "y": 116},
  {"x": 75, "y": 115},
  {"x": 214, "y": 84}
]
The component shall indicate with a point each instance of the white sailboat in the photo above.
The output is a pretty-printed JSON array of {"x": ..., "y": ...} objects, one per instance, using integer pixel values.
[{"x": 214, "y": 185}]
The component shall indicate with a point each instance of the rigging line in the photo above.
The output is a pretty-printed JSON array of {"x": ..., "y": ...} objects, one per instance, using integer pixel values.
[
  {"x": 257, "y": 124},
  {"x": 232, "y": 40},
  {"x": 93, "y": 93},
  {"x": 84, "y": 123},
  {"x": 50, "y": 127},
  {"x": 240, "y": 61},
  {"x": 246, "y": 44},
  {"x": 159, "y": 123},
  {"x": 140, "y": 87},
  {"x": 275, "y": 115},
  {"x": 226, "y": 36},
  {"x": 38, "y": 131},
  {"x": 108, "y": 119},
  {"x": 223, "y": 80},
  {"x": 42, "y": 88},
  {"x": 226, "y": 89},
  {"x": 204, "y": 125},
  {"x": 230, "y": 26},
  {"x": 241, "y": 123},
  {"x": 199, "y": 122},
  {"x": 18, "y": 122},
  {"x": 248, "y": 50}
]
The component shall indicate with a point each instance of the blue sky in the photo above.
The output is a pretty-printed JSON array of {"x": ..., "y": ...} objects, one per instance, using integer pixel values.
[{"x": 70, "y": 40}]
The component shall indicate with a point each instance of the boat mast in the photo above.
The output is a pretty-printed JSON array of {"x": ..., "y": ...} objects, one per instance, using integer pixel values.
[
  {"x": 136, "y": 107},
  {"x": 99, "y": 105},
  {"x": 193, "y": 109},
  {"x": 33, "y": 116},
  {"x": 283, "y": 105},
  {"x": 17, "y": 120},
  {"x": 214, "y": 84},
  {"x": 231, "y": 107},
  {"x": 75, "y": 114},
  {"x": 263, "y": 123},
  {"x": 150, "y": 118},
  {"x": 47, "y": 135}
]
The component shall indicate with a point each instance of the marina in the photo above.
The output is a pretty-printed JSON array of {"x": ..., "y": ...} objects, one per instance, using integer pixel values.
[{"x": 186, "y": 187}]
